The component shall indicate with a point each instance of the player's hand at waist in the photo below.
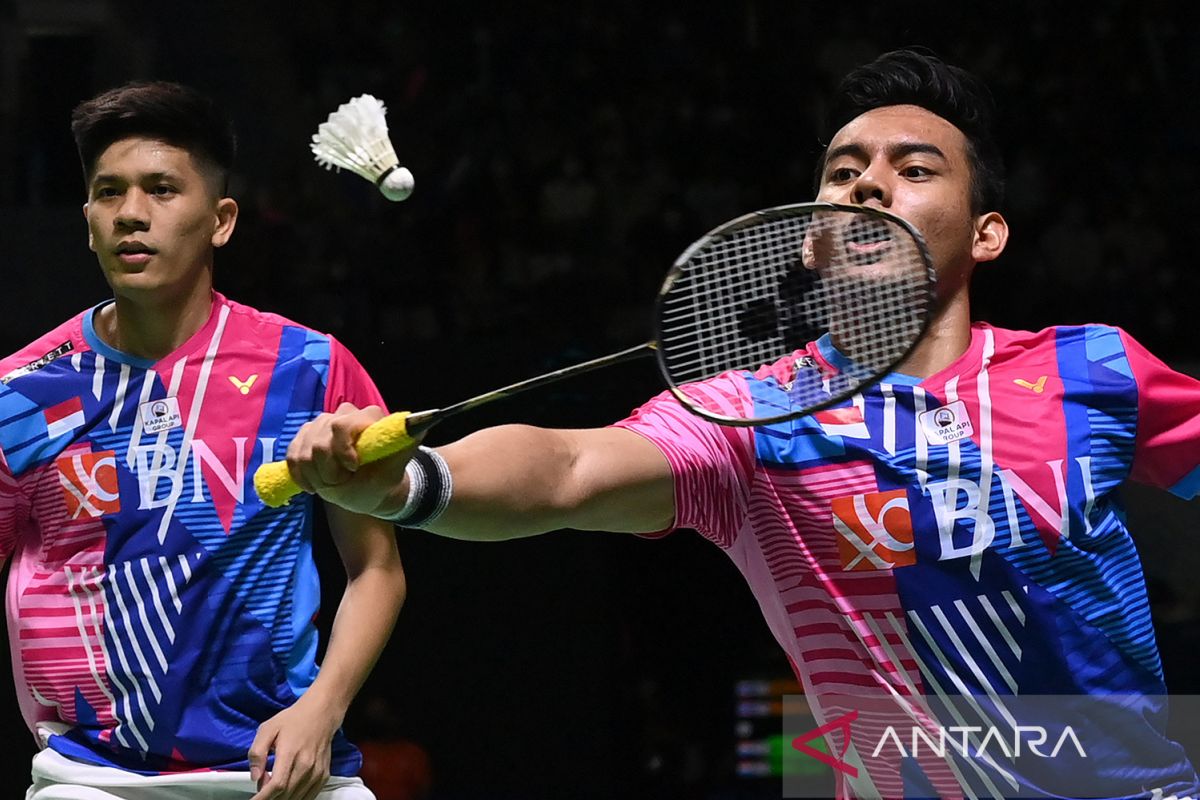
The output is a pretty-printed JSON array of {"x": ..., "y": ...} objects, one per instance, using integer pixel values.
[
  {"x": 323, "y": 460},
  {"x": 300, "y": 738}
]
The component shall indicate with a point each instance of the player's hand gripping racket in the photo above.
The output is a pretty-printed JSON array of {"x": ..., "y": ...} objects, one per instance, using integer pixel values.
[{"x": 749, "y": 293}]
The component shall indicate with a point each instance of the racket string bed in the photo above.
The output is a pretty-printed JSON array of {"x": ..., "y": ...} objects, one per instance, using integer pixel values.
[
  {"x": 726, "y": 279},
  {"x": 758, "y": 292},
  {"x": 746, "y": 269}
]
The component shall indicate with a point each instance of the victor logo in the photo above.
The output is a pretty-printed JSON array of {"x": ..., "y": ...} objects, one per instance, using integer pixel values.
[
  {"x": 1037, "y": 387},
  {"x": 243, "y": 386}
]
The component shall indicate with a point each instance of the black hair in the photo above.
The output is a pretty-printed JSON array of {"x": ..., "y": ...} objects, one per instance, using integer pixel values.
[
  {"x": 179, "y": 115},
  {"x": 919, "y": 78}
]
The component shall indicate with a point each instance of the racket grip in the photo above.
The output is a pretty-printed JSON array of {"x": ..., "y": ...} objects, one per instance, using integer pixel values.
[
  {"x": 384, "y": 438},
  {"x": 274, "y": 482}
]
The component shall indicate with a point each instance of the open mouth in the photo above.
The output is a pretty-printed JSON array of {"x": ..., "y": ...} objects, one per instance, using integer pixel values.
[{"x": 867, "y": 240}]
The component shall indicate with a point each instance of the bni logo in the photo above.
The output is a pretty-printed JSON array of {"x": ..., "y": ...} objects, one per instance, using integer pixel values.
[
  {"x": 89, "y": 483},
  {"x": 874, "y": 530}
]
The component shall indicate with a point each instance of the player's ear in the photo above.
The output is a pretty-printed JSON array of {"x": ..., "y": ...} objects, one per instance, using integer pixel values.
[
  {"x": 91, "y": 238},
  {"x": 991, "y": 235},
  {"x": 226, "y": 219}
]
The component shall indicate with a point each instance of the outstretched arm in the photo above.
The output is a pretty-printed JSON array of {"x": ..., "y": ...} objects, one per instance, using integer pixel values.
[{"x": 509, "y": 481}]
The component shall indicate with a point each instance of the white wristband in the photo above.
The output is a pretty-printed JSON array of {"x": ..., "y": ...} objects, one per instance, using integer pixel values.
[{"x": 429, "y": 489}]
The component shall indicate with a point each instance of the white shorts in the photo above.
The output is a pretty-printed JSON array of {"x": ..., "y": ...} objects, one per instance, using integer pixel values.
[{"x": 56, "y": 777}]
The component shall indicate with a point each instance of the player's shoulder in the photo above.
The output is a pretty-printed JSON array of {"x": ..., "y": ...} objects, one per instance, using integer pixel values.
[
  {"x": 1091, "y": 337},
  {"x": 246, "y": 315},
  {"x": 266, "y": 328},
  {"x": 1091, "y": 355},
  {"x": 783, "y": 370},
  {"x": 726, "y": 394},
  {"x": 63, "y": 340},
  {"x": 288, "y": 342}
]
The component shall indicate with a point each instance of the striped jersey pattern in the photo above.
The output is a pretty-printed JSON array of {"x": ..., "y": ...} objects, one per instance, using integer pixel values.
[
  {"x": 959, "y": 535},
  {"x": 157, "y": 611}
]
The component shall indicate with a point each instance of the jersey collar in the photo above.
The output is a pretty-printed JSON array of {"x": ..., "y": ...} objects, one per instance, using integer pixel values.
[
  {"x": 120, "y": 356},
  {"x": 841, "y": 363}
]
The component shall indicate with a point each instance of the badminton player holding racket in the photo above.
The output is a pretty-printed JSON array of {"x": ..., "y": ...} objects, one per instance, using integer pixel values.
[
  {"x": 162, "y": 619},
  {"x": 952, "y": 529}
]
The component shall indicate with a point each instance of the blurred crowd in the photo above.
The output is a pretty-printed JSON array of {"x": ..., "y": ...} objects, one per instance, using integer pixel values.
[{"x": 565, "y": 154}]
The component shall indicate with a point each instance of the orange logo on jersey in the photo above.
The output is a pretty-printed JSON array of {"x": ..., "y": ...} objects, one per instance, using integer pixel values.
[
  {"x": 874, "y": 530},
  {"x": 1037, "y": 386},
  {"x": 243, "y": 386},
  {"x": 89, "y": 483}
]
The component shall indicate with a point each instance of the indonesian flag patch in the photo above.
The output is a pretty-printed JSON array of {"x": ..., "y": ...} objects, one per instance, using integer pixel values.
[{"x": 64, "y": 418}]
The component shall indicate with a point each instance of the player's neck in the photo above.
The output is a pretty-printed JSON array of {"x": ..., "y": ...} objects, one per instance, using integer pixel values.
[
  {"x": 154, "y": 329},
  {"x": 948, "y": 337}
]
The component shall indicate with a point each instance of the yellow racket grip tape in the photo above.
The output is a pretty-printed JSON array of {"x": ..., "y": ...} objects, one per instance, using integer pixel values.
[
  {"x": 274, "y": 483},
  {"x": 385, "y": 437}
]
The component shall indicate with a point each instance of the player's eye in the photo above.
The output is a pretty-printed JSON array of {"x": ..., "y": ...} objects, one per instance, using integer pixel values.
[
  {"x": 105, "y": 191},
  {"x": 163, "y": 190},
  {"x": 840, "y": 175},
  {"x": 916, "y": 171}
]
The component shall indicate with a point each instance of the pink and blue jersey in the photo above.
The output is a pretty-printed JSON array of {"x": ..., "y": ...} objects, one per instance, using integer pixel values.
[
  {"x": 952, "y": 536},
  {"x": 157, "y": 611}
]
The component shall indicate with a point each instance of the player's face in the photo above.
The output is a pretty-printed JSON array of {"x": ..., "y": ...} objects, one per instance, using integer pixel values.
[
  {"x": 913, "y": 163},
  {"x": 154, "y": 219}
]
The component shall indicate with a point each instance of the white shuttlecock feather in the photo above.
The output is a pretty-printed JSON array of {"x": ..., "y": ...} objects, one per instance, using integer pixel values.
[{"x": 355, "y": 137}]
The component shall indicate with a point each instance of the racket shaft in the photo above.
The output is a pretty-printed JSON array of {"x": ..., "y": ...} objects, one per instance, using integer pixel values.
[
  {"x": 403, "y": 430},
  {"x": 550, "y": 377}
]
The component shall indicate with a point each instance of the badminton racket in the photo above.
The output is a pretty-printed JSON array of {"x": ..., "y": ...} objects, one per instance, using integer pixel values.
[{"x": 752, "y": 291}]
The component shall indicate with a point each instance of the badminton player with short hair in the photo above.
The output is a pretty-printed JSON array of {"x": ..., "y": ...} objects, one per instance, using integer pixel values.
[
  {"x": 953, "y": 530},
  {"x": 161, "y": 618}
]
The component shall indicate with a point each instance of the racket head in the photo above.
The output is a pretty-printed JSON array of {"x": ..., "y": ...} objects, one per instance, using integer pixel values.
[{"x": 761, "y": 287}]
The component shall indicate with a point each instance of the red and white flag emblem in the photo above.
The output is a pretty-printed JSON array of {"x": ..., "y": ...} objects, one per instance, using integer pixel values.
[
  {"x": 64, "y": 417},
  {"x": 847, "y": 421}
]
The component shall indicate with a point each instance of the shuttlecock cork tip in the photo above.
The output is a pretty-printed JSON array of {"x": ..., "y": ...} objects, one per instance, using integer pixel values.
[{"x": 397, "y": 184}]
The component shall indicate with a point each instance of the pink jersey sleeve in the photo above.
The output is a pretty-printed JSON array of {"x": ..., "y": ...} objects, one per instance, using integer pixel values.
[
  {"x": 10, "y": 510},
  {"x": 713, "y": 464},
  {"x": 348, "y": 381},
  {"x": 1167, "y": 450}
]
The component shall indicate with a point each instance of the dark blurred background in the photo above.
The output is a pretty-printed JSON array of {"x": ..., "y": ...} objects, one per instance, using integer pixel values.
[{"x": 564, "y": 154}]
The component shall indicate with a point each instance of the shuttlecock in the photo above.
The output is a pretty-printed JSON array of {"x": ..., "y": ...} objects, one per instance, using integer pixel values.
[{"x": 355, "y": 137}]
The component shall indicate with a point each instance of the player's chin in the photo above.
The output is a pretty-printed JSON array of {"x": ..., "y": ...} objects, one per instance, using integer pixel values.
[
  {"x": 136, "y": 282},
  {"x": 124, "y": 279},
  {"x": 116, "y": 266}
]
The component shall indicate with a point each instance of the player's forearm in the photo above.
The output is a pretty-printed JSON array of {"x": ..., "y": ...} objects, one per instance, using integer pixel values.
[
  {"x": 365, "y": 618},
  {"x": 510, "y": 481},
  {"x": 514, "y": 481}
]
